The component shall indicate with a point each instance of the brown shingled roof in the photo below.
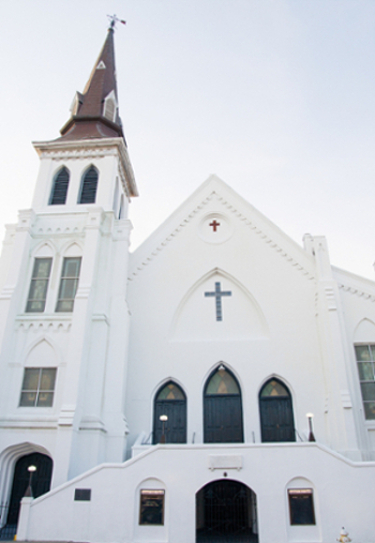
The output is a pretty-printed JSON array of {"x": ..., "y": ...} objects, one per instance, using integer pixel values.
[{"x": 88, "y": 120}]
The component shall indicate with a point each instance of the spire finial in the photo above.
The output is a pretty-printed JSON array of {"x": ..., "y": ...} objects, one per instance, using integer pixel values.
[{"x": 113, "y": 19}]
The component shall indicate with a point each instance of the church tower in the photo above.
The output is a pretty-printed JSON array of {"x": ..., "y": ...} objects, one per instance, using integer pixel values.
[{"x": 63, "y": 314}]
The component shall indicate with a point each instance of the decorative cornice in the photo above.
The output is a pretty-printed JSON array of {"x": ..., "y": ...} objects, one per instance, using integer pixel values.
[
  {"x": 89, "y": 149},
  {"x": 357, "y": 292},
  {"x": 43, "y": 323},
  {"x": 258, "y": 231}
]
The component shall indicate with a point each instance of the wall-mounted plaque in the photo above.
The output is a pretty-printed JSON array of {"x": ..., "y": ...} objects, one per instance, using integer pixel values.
[
  {"x": 151, "y": 510},
  {"x": 82, "y": 494},
  {"x": 301, "y": 506}
]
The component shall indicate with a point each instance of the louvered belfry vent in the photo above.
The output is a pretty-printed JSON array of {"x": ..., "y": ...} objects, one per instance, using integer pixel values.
[
  {"x": 60, "y": 187},
  {"x": 89, "y": 186}
]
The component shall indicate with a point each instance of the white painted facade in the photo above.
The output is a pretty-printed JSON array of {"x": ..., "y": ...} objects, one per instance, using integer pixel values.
[{"x": 142, "y": 320}]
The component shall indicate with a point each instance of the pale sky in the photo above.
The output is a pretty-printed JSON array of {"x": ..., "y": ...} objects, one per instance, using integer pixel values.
[{"x": 276, "y": 97}]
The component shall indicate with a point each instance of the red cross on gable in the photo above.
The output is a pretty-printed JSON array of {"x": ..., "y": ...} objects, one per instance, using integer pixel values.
[{"x": 214, "y": 225}]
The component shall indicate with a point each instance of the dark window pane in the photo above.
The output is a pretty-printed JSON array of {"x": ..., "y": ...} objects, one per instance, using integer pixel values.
[
  {"x": 38, "y": 387},
  {"x": 369, "y": 410},
  {"x": 362, "y": 353},
  {"x": 60, "y": 188},
  {"x": 39, "y": 284},
  {"x": 89, "y": 187},
  {"x": 82, "y": 494},
  {"x": 301, "y": 506},
  {"x": 28, "y": 399},
  {"x": 31, "y": 379},
  {"x": 47, "y": 381},
  {"x": 68, "y": 284},
  {"x": 366, "y": 371},
  {"x": 368, "y": 391}
]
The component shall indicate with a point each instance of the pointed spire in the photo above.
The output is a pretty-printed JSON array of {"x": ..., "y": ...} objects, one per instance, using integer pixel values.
[{"x": 95, "y": 111}]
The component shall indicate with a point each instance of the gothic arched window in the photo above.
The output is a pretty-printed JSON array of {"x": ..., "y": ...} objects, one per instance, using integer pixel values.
[
  {"x": 89, "y": 186},
  {"x": 60, "y": 187},
  {"x": 222, "y": 408},
  {"x": 276, "y": 412},
  {"x": 170, "y": 400}
]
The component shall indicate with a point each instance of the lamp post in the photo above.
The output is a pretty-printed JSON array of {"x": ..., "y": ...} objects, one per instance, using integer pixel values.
[
  {"x": 29, "y": 490},
  {"x": 310, "y": 417},
  {"x": 163, "y": 419}
]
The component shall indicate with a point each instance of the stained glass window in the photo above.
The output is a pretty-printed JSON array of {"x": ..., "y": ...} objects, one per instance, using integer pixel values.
[
  {"x": 365, "y": 355},
  {"x": 222, "y": 382},
  {"x": 274, "y": 388},
  {"x": 171, "y": 392}
]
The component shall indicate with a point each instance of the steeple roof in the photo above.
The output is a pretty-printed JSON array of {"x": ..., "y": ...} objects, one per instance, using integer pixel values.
[{"x": 95, "y": 111}]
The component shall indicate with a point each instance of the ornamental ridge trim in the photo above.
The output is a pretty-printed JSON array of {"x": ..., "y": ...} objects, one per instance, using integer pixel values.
[
  {"x": 46, "y": 326},
  {"x": 79, "y": 153},
  {"x": 357, "y": 292},
  {"x": 272, "y": 244}
]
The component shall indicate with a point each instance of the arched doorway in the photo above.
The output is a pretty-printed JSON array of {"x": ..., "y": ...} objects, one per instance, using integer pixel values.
[
  {"x": 276, "y": 412},
  {"x": 226, "y": 512},
  {"x": 222, "y": 408},
  {"x": 170, "y": 400},
  {"x": 41, "y": 482}
]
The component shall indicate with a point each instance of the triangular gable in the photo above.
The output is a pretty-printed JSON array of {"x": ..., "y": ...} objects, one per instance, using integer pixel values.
[{"x": 229, "y": 204}]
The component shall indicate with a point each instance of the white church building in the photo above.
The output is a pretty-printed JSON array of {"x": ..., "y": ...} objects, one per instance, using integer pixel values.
[{"x": 215, "y": 385}]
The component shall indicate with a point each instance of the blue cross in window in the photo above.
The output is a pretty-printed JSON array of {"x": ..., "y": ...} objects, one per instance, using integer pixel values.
[{"x": 218, "y": 295}]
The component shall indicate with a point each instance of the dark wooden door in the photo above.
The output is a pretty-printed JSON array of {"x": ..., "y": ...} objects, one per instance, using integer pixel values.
[
  {"x": 175, "y": 427},
  {"x": 276, "y": 416},
  {"x": 223, "y": 418},
  {"x": 41, "y": 481},
  {"x": 170, "y": 400}
]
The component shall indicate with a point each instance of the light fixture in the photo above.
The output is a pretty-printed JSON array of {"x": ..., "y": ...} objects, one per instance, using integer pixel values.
[
  {"x": 29, "y": 491},
  {"x": 310, "y": 417},
  {"x": 163, "y": 419}
]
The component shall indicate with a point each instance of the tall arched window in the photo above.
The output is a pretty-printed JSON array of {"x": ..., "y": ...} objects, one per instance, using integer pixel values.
[
  {"x": 276, "y": 412},
  {"x": 60, "y": 187},
  {"x": 89, "y": 186},
  {"x": 170, "y": 400},
  {"x": 222, "y": 408}
]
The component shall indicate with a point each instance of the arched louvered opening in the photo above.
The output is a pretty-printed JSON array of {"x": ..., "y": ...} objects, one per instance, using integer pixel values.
[
  {"x": 89, "y": 186},
  {"x": 222, "y": 408},
  {"x": 170, "y": 401},
  {"x": 110, "y": 109},
  {"x": 60, "y": 187},
  {"x": 276, "y": 412}
]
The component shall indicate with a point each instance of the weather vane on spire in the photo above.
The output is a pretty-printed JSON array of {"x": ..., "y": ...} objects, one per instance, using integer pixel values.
[{"x": 113, "y": 20}]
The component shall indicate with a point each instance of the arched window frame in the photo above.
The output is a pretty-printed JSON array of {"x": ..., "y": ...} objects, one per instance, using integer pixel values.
[
  {"x": 89, "y": 185},
  {"x": 292, "y": 436},
  {"x": 238, "y": 435},
  {"x": 60, "y": 187}
]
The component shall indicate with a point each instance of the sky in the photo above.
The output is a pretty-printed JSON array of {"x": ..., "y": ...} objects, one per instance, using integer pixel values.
[{"x": 276, "y": 97}]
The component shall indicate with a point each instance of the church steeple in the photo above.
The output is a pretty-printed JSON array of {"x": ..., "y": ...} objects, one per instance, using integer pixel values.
[{"x": 95, "y": 111}]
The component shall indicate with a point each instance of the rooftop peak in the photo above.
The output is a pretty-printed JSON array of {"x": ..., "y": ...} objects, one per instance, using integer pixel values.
[{"x": 95, "y": 111}]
